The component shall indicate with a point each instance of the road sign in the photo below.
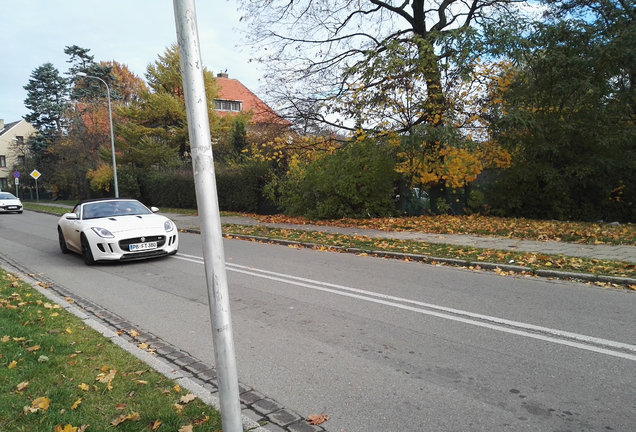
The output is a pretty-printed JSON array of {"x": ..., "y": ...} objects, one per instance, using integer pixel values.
[
  {"x": 17, "y": 180},
  {"x": 35, "y": 174},
  {"x": 16, "y": 174}
]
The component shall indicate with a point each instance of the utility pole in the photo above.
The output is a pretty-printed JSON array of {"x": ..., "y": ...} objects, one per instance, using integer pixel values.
[{"x": 208, "y": 207}]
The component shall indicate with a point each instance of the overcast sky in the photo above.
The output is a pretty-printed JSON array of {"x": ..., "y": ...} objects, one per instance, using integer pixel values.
[{"x": 131, "y": 32}]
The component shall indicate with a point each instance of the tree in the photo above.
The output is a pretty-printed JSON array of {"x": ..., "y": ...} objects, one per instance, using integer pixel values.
[
  {"x": 377, "y": 64},
  {"x": 386, "y": 67},
  {"x": 47, "y": 100},
  {"x": 158, "y": 114},
  {"x": 568, "y": 117}
]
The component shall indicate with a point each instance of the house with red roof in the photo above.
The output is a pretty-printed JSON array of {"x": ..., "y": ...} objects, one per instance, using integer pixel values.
[{"x": 233, "y": 98}]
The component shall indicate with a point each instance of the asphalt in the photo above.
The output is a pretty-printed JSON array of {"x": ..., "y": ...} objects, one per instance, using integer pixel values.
[{"x": 258, "y": 412}]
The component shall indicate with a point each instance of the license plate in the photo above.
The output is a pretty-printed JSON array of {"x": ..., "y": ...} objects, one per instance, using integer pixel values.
[
  {"x": 12, "y": 207},
  {"x": 142, "y": 246}
]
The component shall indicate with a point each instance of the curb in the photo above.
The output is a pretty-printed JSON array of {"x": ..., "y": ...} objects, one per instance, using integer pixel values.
[
  {"x": 258, "y": 413},
  {"x": 588, "y": 277}
]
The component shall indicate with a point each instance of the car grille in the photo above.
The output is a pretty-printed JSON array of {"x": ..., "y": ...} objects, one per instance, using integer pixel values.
[
  {"x": 124, "y": 244},
  {"x": 142, "y": 255}
]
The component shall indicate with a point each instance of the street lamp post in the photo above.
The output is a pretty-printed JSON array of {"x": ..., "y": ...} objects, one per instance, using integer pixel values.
[{"x": 112, "y": 138}]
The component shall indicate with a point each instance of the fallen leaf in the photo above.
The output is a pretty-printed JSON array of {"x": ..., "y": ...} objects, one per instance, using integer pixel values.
[
  {"x": 155, "y": 425},
  {"x": 122, "y": 418},
  {"x": 84, "y": 387},
  {"x": 67, "y": 428},
  {"x": 76, "y": 404},
  {"x": 186, "y": 428},
  {"x": 316, "y": 419},
  {"x": 22, "y": 386},
  {"x": 187, "y": 398}
]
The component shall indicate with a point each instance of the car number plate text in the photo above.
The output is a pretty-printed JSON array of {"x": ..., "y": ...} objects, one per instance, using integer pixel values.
[{"x": 142, "y": 246}]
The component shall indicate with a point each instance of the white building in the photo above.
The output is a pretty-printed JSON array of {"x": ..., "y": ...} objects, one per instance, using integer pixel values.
[{"x": 13, "y": 138}]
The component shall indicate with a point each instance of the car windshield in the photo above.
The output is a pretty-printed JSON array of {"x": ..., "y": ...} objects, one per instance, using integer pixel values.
[
  {"x": 113, "y": 208},
  {"x": 6, "y": 196}
]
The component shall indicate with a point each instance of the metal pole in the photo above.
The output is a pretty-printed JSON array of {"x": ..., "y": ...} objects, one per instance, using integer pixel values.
[
  {"x": 208, "y": 207},
  {"x": 112, "y": 137}
]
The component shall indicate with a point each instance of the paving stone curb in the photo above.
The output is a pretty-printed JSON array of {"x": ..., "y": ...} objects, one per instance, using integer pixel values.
[
  {"x": 259, "y": 413},
  {"x": 588, "y": 277}
]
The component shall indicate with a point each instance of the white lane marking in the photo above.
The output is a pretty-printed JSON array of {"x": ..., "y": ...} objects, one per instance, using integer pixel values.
[{"x": 486, "y": 321}]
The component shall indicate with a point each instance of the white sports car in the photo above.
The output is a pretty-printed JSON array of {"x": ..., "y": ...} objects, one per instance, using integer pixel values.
[
  {"x": 116, "y": 229},
  {"x": 9, "y": 203}
]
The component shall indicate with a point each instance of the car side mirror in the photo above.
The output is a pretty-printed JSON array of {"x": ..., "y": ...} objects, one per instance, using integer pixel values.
[
  {"x": 70, "y": 216},
  {"x": 154, "y": 209}
]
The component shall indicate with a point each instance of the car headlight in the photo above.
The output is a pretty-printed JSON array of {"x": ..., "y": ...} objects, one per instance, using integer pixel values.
[
  {"x": 167, "y": 225},
  {"x": 102, "y": 232}
]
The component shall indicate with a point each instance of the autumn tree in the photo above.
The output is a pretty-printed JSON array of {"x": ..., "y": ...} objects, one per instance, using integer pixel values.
[
  {"x": 158, "y": 114},
  {"x": 385, "y": 67},
  {"x": 381, "y": 64}
]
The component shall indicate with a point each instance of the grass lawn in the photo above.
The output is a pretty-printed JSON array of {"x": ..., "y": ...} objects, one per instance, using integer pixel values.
[{"x": 59, "y": 375}]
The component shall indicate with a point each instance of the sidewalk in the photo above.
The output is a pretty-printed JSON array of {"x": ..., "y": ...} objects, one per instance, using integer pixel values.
[{"x": 607, "y": 252}]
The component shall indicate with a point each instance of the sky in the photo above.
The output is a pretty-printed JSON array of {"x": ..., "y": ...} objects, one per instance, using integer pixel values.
[{"x": 131, "y": 32}]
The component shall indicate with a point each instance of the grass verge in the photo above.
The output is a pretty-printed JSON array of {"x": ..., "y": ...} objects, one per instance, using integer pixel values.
[{"x": 59, "y": 375}]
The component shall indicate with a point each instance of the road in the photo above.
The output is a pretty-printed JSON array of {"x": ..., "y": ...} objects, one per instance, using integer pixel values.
[{"x": 378, "y": 345}]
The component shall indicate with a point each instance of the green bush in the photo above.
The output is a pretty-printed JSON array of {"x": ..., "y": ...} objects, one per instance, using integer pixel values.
[
  {"x": 240, "y": 188},
  {"x": 356, "y": 181}
]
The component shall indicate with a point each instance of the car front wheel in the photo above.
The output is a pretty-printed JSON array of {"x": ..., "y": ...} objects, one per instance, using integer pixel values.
[
  {"x": 60, "y": 237},
  {"x": 87, "y": 254}
]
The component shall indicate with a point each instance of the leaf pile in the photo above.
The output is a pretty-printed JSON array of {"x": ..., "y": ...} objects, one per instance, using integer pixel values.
[{"x": 518, "y": 228}]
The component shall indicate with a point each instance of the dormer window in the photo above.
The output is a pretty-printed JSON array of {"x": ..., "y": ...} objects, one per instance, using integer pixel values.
[{"x": 227, "y": 105}]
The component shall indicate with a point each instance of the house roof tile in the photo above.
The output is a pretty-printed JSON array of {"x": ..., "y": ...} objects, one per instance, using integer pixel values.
[{"x": 233, "y": 90}]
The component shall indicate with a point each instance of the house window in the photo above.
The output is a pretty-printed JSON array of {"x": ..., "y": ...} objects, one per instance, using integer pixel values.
[
  {"x": 227, "y": 105},
  {"x": 4, "y": 184},
  {"x": 19, "y": 139},
  {"x": 3, "y": 161},
  {"x": 20, "y": 160}
]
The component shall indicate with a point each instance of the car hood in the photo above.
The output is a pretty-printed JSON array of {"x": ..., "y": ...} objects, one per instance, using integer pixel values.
[
  {"x": 116, "y": 224},
  {"x": 10, "y": 202}
]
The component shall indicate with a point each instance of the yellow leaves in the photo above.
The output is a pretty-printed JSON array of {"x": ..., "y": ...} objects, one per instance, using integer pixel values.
[
  {"x": 107, "y": 378},
  {"x": 76, "y": 404},
  {"x": 22, "y": 386},
  {"x": 68, "y": 330},
  {"x": 38, "y": 404},
  {"x": 84, "y": 387},
  {"x": 13, "y": 364},
  {"x": 67, "y": 428}
]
